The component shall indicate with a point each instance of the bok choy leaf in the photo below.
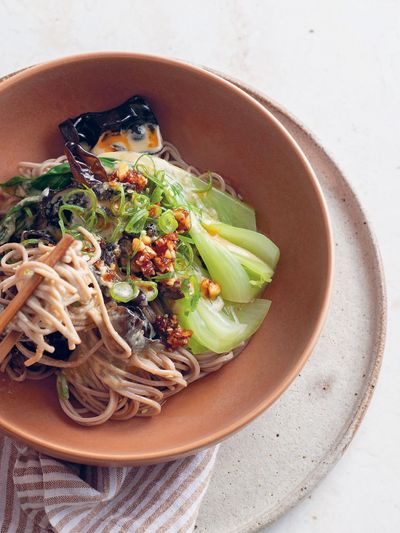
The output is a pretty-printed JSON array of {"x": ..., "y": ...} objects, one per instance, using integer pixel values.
[
  {"x": 254, "y": 242},
  {"x": 215, "y": 329},
  {"x": 228, "y": 209}
]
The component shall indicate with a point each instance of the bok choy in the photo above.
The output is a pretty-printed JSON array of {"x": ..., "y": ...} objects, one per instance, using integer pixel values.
[
  {"x": 237, "y": 257},
  {"x": 221, "y": 330}
]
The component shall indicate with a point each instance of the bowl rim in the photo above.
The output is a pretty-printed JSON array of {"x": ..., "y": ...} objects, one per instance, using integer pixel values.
[{"x": 90, "y": 457}]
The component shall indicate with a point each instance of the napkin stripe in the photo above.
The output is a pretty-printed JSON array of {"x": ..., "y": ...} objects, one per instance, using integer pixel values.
[
  {"x": 9, "y": 494},
  {"x": 41, "y": 494},
  {"x": 157, "y": 497},
  {"x": 159, "y": 474},
  {"x": 138, "y": 487},
  {"x": 186, "y": 506},
  {"x": 163, "y": 505}
]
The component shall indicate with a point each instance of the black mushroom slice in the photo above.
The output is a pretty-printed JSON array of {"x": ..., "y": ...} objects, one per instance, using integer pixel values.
[
  {"x": 85, "y": 167},
  {"x": 38, "y": 234},
  {"x": 133, "y": 327},
  {"x": 52, "y": 202},
  {"x": 131, "y": 126}
]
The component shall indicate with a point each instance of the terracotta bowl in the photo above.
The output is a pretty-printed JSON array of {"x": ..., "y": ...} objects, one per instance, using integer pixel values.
[{"x": 215, "y": 126}]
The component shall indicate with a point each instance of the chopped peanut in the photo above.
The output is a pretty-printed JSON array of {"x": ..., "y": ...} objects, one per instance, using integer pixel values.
[
  {"x": 128, "y": 175},
  {"x": 153, "y": 211},
  {"x": 170, "y": 282},
  {"x": 137, "y": 245},
  {"x": 182, "y": 216},
  {"x": 157, "y": 257},
  {"x": 122, "y": 170},
  {"x": 171, "y": 332},
  {"x": 165, "y": 248},
  {"x": 210, "y": 289}
]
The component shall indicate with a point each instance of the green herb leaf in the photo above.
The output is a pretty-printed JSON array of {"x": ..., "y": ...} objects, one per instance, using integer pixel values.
[
  {"x": 56, "y": 178},
  {"x": 16, "y": 219},
  {"x": 14, "y": 181}
]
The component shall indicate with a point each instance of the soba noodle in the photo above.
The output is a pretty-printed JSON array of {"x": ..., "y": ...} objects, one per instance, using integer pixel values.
[{"x": 106, "y": 378}]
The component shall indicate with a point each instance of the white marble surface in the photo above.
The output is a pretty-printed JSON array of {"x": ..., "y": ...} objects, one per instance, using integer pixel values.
[{"x": 336, "y": 65}]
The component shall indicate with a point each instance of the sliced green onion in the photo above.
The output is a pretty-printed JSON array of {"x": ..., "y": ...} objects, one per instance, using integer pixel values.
[
  {"x": 186, "y": 239},
  {"x": 27, "y": 242},
  {"x": 167, "y": 275},
  {"x": 142, "y": 165},
  {"x": 167, "y": 222},
  {"x": 123, "y": 291},
  {"x": 103, "y": 215},
  {"x": 118, "y": 209},
  {"x": 107, "y": 162},
  {"x": 86, "y": 192},
  {"x": 181, "y": 263},
  {"x": 74, "y": 209},
  {"x": 88, "y": 215},
  {"x": 185, "y": 249},
  {"x": 156, "y": 195},
  {"x": 62, "y": 387},
  {"x": 191, "y": 290},
  {"x": 171, "y": 196},
  {"x": 204, "y": 186},
  {"x": 128, "y": 267},
  {"x": 141, "y": 200},
  {"x": 137, "y": 222},
  {"x": 149, "y": 288},
  {"x": 117, "y": 232}
]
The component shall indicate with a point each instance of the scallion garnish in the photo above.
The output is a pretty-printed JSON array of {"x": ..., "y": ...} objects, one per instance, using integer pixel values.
[
  {"x": 149, "y": 288},
  {"x": 123, "y": 291},
  {"x": 62, "y": 387},
  {"x": 141, "y": 200},
  {"x": 167, "y": 222},
  {"x": 118, "y": 206},
  {"x": 167, "y": 275},
  {"x": 156, "y": 195},
  {"x": 186, "y": 239},
  {"x": 27, "y": 242},
  {"x": 204, "y": 186},
  {"x": 117, "y": 232},
  {"x": 137, "y": 222},
  {"x": 181, "y": 263}
]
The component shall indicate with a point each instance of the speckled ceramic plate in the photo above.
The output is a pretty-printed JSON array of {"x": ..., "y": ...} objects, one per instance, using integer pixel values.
[{"x": 277, "y": 460}]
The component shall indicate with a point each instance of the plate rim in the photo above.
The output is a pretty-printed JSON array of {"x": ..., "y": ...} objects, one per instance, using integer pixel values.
[{"x": 326, "y": 464}]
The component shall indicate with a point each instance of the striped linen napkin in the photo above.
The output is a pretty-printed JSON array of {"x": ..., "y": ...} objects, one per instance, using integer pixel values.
[{"x": 39, "y": 493}]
